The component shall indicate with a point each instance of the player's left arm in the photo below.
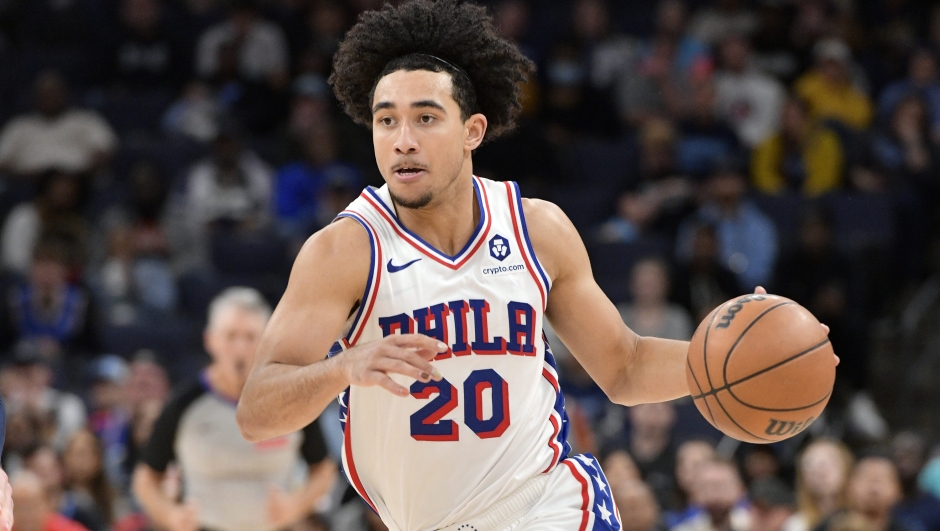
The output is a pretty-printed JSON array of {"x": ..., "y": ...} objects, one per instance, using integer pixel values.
[{"x": 629, "y": 368}]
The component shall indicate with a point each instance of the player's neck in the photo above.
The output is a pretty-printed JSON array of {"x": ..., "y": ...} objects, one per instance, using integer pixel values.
[{"x": 448, "y": 223}]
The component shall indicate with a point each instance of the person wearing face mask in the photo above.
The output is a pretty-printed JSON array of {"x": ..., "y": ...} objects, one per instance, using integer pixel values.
[{"x": 229, "y": 483}]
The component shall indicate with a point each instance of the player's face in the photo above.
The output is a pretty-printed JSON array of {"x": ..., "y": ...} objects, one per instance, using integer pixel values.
[
  {"x": 421, "y": 143},
  {"x": 232, "y": 339}
]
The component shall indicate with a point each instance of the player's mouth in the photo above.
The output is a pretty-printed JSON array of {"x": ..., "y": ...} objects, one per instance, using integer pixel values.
[{"x": 409, "y": 173}]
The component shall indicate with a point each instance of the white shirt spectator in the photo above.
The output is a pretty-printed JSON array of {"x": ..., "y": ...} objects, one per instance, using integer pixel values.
[
  {"x": 207, "y": 200},
  {"x": 69, "y": 142},
  {"x": 751, "y": 102},
  {"x": 263, "y": 51},
  {"x": 20, "y": 234}
]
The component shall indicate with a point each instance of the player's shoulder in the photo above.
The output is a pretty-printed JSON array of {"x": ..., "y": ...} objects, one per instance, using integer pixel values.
[
  {"x": 336, "y": 258},
  {"x": 552, "y": 234},
  {"x": 343, "y": 240}
]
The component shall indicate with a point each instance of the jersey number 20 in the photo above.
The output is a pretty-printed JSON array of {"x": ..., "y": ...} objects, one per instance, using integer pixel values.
[{"x": 426, "y": 423}]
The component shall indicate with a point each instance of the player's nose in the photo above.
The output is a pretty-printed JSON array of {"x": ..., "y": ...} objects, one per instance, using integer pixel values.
[{"x": 406, "y": 141}]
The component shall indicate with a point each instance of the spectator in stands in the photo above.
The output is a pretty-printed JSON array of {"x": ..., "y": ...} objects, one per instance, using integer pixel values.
[
  {"x": 635, "y": 498},
  {"x": 650, "y": 313},
  {"x": 905, "y": 150},
  {"x": 229, "y": 478},
  {"x": 747, "y": 98},
  {"x": 822, "y": 472},
  {"x": 32, "y": 509},
  {"x": 691, "y": 456},
  {"x": 573, "y": 108},
  {"x": 619, "y": 467},
  {"x": 666, "y": 65},
  {"x": 918, "y": 509},
  {"x": 57, "y": 136},
  {"x": 706, "y": 140},
  {"x": 28, "y": 388},
  {"x": 302, "y": 187},
  {"x": 829, "y": 90},
  {"x": 921, "y": 81},
  {"x": 325, "y": 24},
  {"x": 651, "y": 446},
  {"x": 56, "y": 213},
  {"x": 720, "y": 493},
  {"x": 231, "y": 187},
  {"x": 260, "y": 46},
  {"x": 85, "y": 478},
  {"x": 873, "y": 491},
  {"x": 607, "y": 55},
  {"x": 44, "y": 461},
  {"x": 49, "y": 309},
  {"x": 109, "y": 418},
  {"x": 722, "y": 18},
  {"x": 655, "y": 202},
  {"x": 772, "y": 504},
  {"x": 819, "y": 277},
  {"x": 195, "y": 114},
  {"x": 147, "y": 55},
  {"x": 229, "y": 192},
  {"x": 636, "y": 216},
  {"x": 761, "y": 462},
  {"x": 803, "y": 156},
  {"x": 747, "y": 239},
  {"x": 702, "y": 281},
  {"x": 136, "y": 275}
]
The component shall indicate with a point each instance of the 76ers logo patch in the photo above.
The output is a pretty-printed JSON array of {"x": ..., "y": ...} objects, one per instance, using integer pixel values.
[{"x": 499, "y": 247}]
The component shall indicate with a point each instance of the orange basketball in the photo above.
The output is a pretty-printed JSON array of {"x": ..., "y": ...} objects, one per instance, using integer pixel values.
[{"x": 760, "y": 368}]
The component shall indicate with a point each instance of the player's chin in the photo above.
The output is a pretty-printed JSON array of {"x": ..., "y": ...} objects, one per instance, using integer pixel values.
[{"x": 411, "y": 197}]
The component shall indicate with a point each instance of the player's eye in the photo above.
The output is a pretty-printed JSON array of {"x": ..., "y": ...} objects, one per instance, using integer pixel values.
[
  {"x": 386, "y": 120},
  {"x": 426, "y": 118}
]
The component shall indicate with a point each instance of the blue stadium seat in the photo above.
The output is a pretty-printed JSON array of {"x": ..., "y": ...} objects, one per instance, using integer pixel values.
[
  {"x": 173, "y": 337},
  {"x": 249, "y": 254},
  {"x": 784, "y": 210},
  {"x": 862, "y": 221},
  {"x": 135, "y": 111}
]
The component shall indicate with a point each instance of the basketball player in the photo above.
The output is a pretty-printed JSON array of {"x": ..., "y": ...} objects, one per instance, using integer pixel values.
[{"x": 436, "y": 286}]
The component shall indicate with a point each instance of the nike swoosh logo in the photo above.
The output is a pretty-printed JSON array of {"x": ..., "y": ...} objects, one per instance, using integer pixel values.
[{"x": 394, "y": 268}]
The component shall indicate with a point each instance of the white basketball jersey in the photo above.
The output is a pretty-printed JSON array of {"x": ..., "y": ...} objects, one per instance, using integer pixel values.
[{"x": 453, "y": 448}]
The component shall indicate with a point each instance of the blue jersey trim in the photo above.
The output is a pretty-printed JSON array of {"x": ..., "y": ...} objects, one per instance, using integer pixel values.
[
  {"x": 559, "y": 406},
  {"x": 365, "y": 295},
  {"x": 528, "y": 242},
  {"x": 476, "y": 232}
]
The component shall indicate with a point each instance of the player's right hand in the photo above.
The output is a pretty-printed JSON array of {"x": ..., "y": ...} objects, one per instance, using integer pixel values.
[
  {"x": 183, "y": 517},
  {"x": 405, "y": 354}
]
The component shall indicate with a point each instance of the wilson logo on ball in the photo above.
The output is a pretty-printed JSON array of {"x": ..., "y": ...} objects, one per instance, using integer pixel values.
[
  {"x": 778, "y": 428},
  {"x": 726, "y": 319}
]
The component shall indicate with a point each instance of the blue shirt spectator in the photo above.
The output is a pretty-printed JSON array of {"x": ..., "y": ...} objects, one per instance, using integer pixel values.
[
  {"x": 747, "y": 238},
  {"x": 301, "y": 187},
  {"x": 921, "y": 82}
]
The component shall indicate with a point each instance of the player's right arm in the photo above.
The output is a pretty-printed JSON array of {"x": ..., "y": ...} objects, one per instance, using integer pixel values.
[{"x": 292, "y": 381}]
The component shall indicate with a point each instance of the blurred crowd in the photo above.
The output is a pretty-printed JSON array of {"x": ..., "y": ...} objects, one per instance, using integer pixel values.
[{"x": 155, "y": 152}]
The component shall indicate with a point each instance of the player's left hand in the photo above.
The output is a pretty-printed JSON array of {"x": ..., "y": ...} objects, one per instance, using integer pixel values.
[
  {"x": 283, "y": 509},
  {"x": 6, "y": 503},
  {"x": 759, "y": 290}
]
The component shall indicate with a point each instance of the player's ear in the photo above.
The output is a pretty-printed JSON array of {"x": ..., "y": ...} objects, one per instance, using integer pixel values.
[{"x": 475, "y": 127}]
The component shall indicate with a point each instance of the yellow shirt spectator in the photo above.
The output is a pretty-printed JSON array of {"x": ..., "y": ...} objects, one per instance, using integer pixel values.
[
  {"x": 840, "y": 101},
  {"x": 820, "y": 159}
]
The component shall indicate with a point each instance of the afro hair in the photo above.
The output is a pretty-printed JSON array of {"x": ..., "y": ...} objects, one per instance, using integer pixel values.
[{"x": 439, "y": 36}]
